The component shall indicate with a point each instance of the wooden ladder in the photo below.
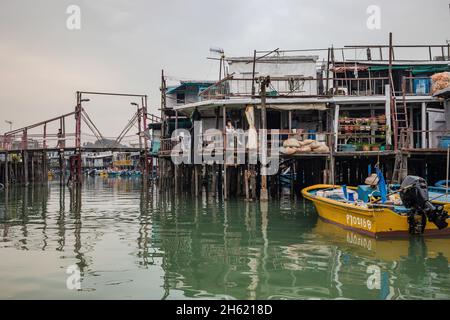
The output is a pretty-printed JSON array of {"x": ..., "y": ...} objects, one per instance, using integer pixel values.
[
  {"x": 401, "y": 134},
  {"x": 400, "y": 117}
]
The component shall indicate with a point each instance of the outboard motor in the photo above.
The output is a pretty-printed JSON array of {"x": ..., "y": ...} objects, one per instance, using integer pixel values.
[{"x": 414, "y": 195}]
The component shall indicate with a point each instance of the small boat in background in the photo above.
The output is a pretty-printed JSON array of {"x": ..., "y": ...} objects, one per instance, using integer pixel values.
[
  {"x": 113, "y": 174},
  {"x": 443, "y": 184},
  {"x": 102, "y": 173}
]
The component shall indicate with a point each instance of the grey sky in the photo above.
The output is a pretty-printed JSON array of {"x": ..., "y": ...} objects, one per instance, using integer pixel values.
[{"x": 123, "y": 45}]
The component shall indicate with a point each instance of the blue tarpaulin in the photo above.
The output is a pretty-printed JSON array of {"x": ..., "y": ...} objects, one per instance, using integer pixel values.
[{"x": 382, "y": 186}]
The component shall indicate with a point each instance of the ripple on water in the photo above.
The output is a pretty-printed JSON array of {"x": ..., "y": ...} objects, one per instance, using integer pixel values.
[{"x": 127, "y": 243}]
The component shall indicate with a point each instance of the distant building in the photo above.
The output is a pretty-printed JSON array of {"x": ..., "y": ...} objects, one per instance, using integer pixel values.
[{"x": 186, "y": 92}]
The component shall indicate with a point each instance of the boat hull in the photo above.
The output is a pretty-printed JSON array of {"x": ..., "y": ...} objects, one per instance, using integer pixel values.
[{"x": 382, "y": 222}]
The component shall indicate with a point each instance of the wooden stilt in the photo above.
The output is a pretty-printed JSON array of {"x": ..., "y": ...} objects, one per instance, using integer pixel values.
[
  {"x": 332, "y": 160},
  {"x": 239, "y": 180},
  {"x": 32, "y": 161},
  {"x": 197, "y": 180},
  {"x": 177, "y": 178},
  {"x": 213, "y": 180},
  {"x": 253, "y": 181},
  {"x": 264, "y": 194},
  {"x": 44, "y": 167},
  {"x": 224, "y": 120},
  {"x": 247, "y": 184},
  {"x": 6, "y": 173},
  {"x": 25, "y": 167}
]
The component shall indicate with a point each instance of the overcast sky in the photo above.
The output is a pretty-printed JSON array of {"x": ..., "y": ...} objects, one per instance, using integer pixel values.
[{"x": 123, "y": 45}]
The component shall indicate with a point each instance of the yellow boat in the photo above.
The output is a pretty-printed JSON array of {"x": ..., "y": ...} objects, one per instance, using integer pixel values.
[{"x": 374, "y": 221}]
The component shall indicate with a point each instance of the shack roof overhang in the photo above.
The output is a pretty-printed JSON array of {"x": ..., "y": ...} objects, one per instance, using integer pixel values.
[
  {"x": 276, "y": 103},
  {"x": 201, "y": 85},
  {"x": 299, "y": 103},
  {"x": 444, "y": 93}
]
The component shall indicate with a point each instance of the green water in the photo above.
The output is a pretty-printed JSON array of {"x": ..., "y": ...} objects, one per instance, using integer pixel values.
[{"x": 131, "y": 244}]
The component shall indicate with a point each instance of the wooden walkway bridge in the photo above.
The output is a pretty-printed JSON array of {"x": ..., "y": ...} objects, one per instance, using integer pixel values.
[{"x": 24, "y": 152}]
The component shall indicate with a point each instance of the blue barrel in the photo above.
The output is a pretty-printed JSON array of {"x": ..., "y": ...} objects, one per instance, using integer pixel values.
[{"x": 444, "y": 143}]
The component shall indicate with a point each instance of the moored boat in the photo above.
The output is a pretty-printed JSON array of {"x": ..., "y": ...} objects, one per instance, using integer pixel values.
[
  {"x": 443, "y": 184},
  {"x": 113, "y": 173},
  {"x": 440, "y": 196},
  {"x": 341, "y": 206}
]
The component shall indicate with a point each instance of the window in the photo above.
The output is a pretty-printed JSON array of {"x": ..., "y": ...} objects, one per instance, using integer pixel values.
[{"x": 180, "y": 98}]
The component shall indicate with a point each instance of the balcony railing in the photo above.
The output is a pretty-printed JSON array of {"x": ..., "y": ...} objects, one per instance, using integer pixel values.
[
  {"x": 424, "y": 139},
  {"x": 232, "y": 87}
]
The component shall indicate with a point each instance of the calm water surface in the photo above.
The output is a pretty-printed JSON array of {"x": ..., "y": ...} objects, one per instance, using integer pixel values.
[{"x": 131, "y": 244}]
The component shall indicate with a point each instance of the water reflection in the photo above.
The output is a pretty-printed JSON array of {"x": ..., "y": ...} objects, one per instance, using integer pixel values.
[{"x": 130, "y": 241}]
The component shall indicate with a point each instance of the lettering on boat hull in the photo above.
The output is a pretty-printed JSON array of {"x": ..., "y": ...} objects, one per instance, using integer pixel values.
[{"x": 358, "y": 222}]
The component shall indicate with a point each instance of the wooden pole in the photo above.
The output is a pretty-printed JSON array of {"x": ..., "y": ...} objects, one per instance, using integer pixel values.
[
  {"x": 253, "y": 181},
  {"x": 196, "y": 180},
  {"x": 78, "y": 169},
  {"x": 246, "y": 184},
  {"x": 290, "y": 121},
  {"x": 423, "y": 120},
  {"x": 253, "y": 74},
  {"x": 446, "y": 176},
  {"x": 25, "y": 156},
  {"x": 392, "y": 93},
  {"x": 25, "y": 166},
  {"x": 44, "y": 166},
  {"x": 6, "y": 182},
  {"x": 145, "y": 128},
  {"x": 176, "y": 167},
  {"x": 264, "y": 194},
  {"x": 32, "y": 167},
  {"x": 332, "y": 168},
  {"x": 327, "y": 84},
  {"x": 224, "y": 187}
]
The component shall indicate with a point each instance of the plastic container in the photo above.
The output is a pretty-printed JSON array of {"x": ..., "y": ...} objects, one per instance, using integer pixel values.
[
  {"x": 312, "y": 134},
  {"x": 348, "y": 147},
  {"x": 444, "y": 143}
]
